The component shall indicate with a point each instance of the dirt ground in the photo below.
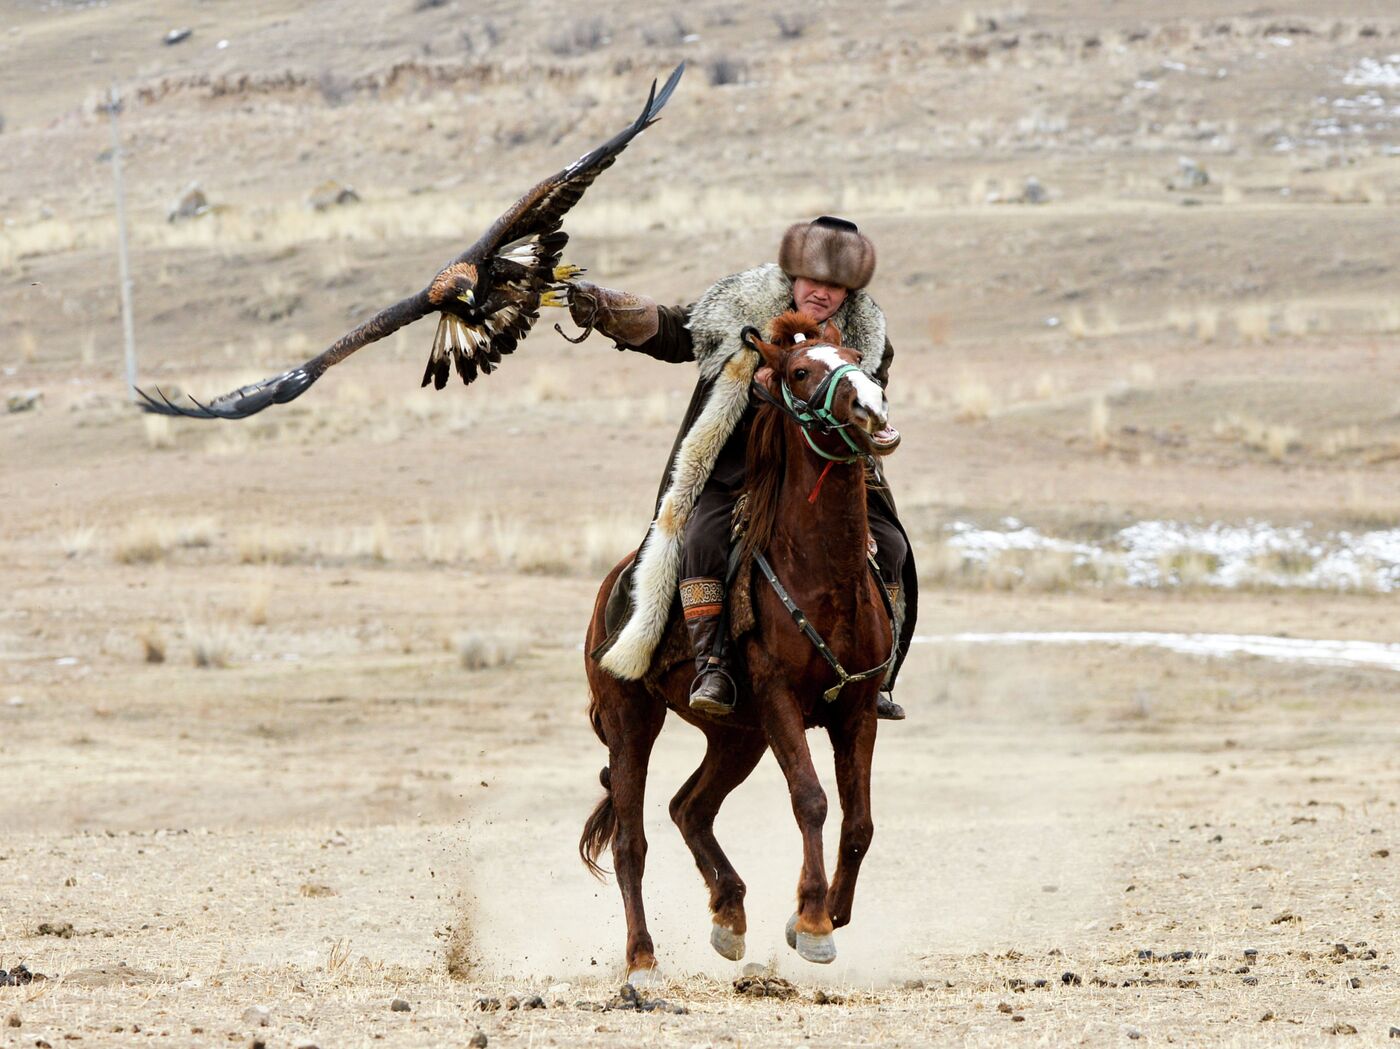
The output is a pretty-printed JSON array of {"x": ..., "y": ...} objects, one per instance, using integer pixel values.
[{"x": 292, "y": 710}]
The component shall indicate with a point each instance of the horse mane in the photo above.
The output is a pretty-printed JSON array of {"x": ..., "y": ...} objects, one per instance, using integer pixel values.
[
  {"x": 764, "y": 463},
  {"x": 787, "y": 326}
]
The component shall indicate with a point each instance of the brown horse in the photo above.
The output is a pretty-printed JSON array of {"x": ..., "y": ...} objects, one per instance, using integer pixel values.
[{"x": 807, "y": 513}]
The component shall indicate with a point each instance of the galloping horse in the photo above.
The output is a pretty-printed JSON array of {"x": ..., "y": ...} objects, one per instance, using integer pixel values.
[{"x": 824, "y": 612}]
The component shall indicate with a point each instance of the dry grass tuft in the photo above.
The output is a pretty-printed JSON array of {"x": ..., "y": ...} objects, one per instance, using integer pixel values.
[
  {"x": 1201, "y": 323},
  {"x": 973, "y": 400},
  {"x": 259, "y": 596},
  {"x": 212, "y": 644},
  {"x": 477, "y": 650},
  {"x": 78, "y": 540},
  {"x": 152, "y": 647},
  {"x": 159, "y": 430},
  {"x": 1340, "y": 441},
  {"x": 268, "y": 546},
  {"x": 147, "y": 538},
  {"x": 1254, "y": 323},
  {"x": 1275, "y": 439},
  {"x": 1188, "y": 567},
  {"x": 1099, "y": 423}
]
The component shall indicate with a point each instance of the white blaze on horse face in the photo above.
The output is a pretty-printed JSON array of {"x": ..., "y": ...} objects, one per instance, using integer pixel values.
[{"x": 868, "y": 393}]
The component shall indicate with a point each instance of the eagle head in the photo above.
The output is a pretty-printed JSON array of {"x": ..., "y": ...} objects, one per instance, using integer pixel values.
[{"x": 454, "y": 287}]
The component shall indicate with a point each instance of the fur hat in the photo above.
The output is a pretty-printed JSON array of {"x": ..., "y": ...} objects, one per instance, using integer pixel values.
[{"x": 828, "y": 249}]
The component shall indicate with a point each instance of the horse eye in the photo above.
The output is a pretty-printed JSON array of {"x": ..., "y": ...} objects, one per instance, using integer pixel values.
[{"x": 800, "y": 374}]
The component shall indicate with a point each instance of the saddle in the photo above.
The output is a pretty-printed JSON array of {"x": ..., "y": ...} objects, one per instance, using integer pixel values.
[{"x": 674, "y": 648}]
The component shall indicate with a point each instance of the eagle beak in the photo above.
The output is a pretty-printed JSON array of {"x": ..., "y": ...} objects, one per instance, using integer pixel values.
[{"x": 468, "y": 296}]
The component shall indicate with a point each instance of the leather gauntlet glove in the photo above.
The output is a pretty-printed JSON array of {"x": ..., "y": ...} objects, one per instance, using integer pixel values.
[{"x": 628, "y": 319}]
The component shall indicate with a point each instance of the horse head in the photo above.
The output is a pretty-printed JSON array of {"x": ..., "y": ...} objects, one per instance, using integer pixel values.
[{"x": 818, "y": 383}]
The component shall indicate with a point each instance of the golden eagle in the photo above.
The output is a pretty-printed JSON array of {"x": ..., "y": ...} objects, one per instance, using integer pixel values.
[{"x": 486, "y": 298}]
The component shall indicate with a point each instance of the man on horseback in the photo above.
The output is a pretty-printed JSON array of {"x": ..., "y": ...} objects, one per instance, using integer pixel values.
[{"x": 823, "y": 268}]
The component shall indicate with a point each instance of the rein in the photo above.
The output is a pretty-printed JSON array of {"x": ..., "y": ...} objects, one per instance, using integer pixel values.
[{"x": 843, "y": 677}]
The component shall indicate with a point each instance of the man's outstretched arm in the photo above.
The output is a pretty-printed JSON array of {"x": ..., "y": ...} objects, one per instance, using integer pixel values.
[{"x": 633, "y": 322}]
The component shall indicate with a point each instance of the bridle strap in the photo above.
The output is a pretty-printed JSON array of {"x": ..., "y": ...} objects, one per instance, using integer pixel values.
[
  {"x": 819, "y": 418},
  {"x": 814, "y": 636}
]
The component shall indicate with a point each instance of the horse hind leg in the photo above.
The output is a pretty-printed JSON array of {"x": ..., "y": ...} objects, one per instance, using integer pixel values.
[
  {"x": 629, "y": 725},
  {"x": 729, "y": 759}
]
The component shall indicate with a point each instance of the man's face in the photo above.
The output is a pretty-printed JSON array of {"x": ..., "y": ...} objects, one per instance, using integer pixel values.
[{"x": 817, "y": 299}]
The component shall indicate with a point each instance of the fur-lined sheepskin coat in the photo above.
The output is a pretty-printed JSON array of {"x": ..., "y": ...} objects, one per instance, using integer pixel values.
[{"x": 708, "y": 333}]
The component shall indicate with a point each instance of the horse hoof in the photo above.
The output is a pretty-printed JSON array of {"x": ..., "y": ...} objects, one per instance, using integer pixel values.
[
  {"x": 728, "y": 943},
  {"x": 819, "y": 949},
  {"x": 640, "y": 978},
  {"x": 791, "y": 931}
]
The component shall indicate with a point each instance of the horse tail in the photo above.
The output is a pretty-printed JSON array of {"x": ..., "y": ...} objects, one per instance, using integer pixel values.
[{"x": 601, "y": 825}]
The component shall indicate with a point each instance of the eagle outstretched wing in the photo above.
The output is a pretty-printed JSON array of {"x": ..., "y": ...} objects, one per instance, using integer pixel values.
[
  {"x": 516, "y": 263},
  {"x": 543, "y": 208}
]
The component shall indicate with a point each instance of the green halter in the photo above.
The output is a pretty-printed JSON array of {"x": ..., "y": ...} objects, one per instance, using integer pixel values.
[{"x": 808, "y": 416}]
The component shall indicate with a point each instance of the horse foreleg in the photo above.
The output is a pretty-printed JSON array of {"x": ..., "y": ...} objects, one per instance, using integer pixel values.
[
  {"x": 729, "y": 758},
  {"x": 854, "y": 746},
  {"x": 630, "y": 737},
  {"x": 809, "y": 929}
]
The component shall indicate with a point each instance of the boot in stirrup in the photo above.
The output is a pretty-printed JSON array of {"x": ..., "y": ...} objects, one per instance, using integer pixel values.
[
  {"x": 886, "y": 709},
  {"x": 712, "y": 691}
]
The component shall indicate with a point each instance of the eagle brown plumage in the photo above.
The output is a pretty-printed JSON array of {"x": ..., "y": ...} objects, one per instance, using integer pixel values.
[{"x": 486, "y": 298}]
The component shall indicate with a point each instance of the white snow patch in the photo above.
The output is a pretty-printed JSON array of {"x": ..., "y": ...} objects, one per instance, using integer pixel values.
[
  {"x": 1284, "y": 649},
  {"x": 1150, "y": 554},
  {"x": 1374, "y": 72}
]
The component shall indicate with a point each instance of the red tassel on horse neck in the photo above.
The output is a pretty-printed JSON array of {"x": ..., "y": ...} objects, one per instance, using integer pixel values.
[{"x": 816, "y": 488}]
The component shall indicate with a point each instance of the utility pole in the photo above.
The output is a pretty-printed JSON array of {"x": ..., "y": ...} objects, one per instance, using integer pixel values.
[{"x": 114, "y": 106}]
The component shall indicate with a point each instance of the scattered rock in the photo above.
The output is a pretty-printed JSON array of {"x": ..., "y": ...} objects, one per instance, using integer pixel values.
[
  {"x": 1250, "y": 954},
  {"x": 1381, "y": 854},
  {"x": 1017, "y": 1018},
  {"x": 754, "y": 969},
  {"x": 512, "y": 1002},
  {"x": 1189, "y": 175},
  {"x": 20, "y": 976},
  {"x": 1354, "y": 982},
  {"x": 176, "y": 36},
  {"x": 1133, "y": 1033},
  {"x": 63, "y": 930},
  {"x": 1071, "y": 980},
  {"x": 307, "y": 1045},
  {"x": 257, "y": 1015},
  {"x": 190, "y": 204},
  {"x": 1145, "y": 956},
  {"x": 1182, "y": 956},
  {"x": 398, "y": 1005},
  {"x": 313, "y": 890},
  {"x": 820, "y": 997},
  {"x": 1286, "y": 918},
  {"x": 331, "y": 194},
  {"x": 27, "y": 401},
  {"x": 1034, "y": 192},
  {"x": 1339, "y": 1028},
  {"x": 478, "y": 1041},
  {"x": 1395, "y": 1032},
  {"x": 764, "y": 987},
  {"x": 487, "y": 1005},
  {"x": 533, "y": 1002},
  {"x": 1250, "y": 981},
  {"x": 13, "y": 1019},
  {"x": 1002, "y": 1007}
]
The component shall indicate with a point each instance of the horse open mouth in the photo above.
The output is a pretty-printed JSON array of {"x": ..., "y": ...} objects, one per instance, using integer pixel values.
[{"x": 884, "y": 441}]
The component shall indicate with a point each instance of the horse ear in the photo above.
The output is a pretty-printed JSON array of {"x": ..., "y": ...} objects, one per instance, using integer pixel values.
[{"x": 753, "y": 339}]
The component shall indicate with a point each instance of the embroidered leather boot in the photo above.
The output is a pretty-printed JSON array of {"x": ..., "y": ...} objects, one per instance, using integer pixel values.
[
  {"x": 712, "y": 691},
  {"x": 886, "y": 709}
]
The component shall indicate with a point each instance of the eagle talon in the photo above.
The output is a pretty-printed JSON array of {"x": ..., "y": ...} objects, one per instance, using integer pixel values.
[
  {"x": 567, "y": 272},
  {"x": 555, "y": 297}
]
